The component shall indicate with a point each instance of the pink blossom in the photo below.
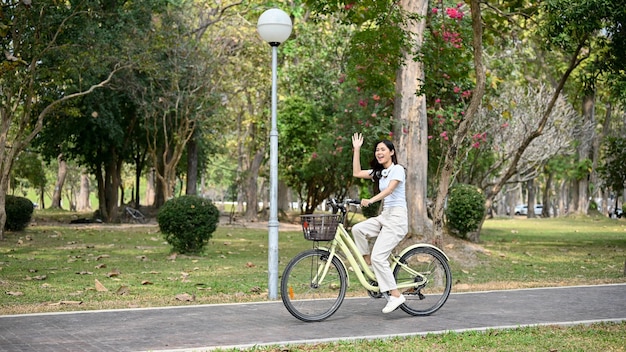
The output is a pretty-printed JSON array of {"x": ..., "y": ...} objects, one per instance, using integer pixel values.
[
  {"x": 362, "y": 102},
  {"x": 342, "y": 78},
  {"x": 437, "y": 100},
  {"x": 457, "y": 89},
  {"x": 435, "y": 10},
  {"x": 405, "y": 130},
  {"x": 505, "y": 125},
  {"x": 476, "y": 145},
  {"x": 466, "y": 94},
  {"x": 444, "y": 134},
  {"x": 314, "y": 155},
  {"x": 430, "y": 137},
  {"x": 348, "y": 6},
  {"x": 339, "y": 149},
  {"x": 390, "y": 134},
  {"x": 454, "y": 13},
  {"x": 373, "y": 114},
  {"x": 376, "y": 97}
]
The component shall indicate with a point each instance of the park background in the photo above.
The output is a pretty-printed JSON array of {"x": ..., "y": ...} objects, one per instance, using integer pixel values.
[{"x": 114, "y": 103}]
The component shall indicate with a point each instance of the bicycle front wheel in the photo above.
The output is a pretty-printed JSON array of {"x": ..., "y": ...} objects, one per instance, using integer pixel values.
[
  {"x": 430, "y": 271},
  {"x": 312, "y": 288}
]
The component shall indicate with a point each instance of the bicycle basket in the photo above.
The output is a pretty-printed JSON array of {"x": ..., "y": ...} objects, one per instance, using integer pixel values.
[{"x": 319, "y": 227}]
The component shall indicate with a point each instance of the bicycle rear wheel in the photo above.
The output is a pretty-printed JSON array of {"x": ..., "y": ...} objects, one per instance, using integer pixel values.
[
  {"x": 430, "y": 271},
  {"x": 309, "y": 293}
]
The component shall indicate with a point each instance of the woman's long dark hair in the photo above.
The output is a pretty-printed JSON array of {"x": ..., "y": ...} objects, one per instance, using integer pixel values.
[{"x": 377, "y": 167}]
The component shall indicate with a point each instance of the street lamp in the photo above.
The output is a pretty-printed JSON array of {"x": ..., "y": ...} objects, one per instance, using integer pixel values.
[{"x": 274, "y": 27}]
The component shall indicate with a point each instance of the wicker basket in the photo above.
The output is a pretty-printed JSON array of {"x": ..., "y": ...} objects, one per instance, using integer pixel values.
[{"x": 319, "y": 227}]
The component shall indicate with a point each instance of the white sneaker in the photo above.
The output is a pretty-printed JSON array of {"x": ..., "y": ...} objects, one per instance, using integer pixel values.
[{"x": 394, "y": 303}]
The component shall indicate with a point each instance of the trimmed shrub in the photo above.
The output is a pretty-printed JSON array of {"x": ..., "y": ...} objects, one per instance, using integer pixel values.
[
  {"x": 188, "y": 222},
  {"x": 465, "y": 209},
  {"x": 19, "y": 213}
]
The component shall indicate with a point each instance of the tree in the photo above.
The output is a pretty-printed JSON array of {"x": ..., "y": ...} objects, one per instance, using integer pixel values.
[
  {"x": 35, "y": 37},
  {"x": 613, "y": 171}
]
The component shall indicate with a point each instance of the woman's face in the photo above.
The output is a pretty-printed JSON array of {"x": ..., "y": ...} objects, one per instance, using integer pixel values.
[{"x": 383, "y": 154}]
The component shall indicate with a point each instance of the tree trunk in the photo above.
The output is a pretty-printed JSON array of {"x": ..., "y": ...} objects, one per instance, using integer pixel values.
[
  {"x": 530, "y": 185},
  {"x": 58, "y": 188},
  {"x": 546, "y": 195},
  {"x": 585, "y": 153},
  {"x": 150, "y": 187},
  {"x": 82, "y": 203},
  {"x": 462, "y": 129},
  {"x": 410, "y": 110},
  {"x": 251, "y": 192},
  {"x": 492, "y": 191},
  {"x": 192, "y": 168}
]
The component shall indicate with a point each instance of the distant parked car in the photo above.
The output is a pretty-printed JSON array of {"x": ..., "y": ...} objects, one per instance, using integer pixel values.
[{"x": 522, "y": 209}]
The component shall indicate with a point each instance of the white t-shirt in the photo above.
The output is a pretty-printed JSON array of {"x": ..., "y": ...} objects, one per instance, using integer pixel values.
[{"x": 398, "y": 197}]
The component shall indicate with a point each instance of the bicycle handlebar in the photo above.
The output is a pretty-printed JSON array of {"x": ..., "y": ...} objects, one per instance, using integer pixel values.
[{"x": 342, "y": 206}]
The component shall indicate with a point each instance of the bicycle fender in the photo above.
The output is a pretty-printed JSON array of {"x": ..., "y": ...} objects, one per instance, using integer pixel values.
[{"x": 423, "y": 245}]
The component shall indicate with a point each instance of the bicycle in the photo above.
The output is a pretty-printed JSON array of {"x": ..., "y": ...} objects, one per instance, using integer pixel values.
[
  {"x": 314, "y": 283},
  {"x": 134, "y": 215}
]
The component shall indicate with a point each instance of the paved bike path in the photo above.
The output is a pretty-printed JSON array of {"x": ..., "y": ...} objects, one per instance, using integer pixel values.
[{"x": 207, "y": 327}]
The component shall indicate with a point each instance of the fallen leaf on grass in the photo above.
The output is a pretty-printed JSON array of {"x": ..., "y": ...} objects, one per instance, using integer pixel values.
[
  {"x": 84, "y": 273},
  {"x": 113, "y": 273},
  {"x": 185, "y": 297},
  {"x": 172, "y": 257},
  {"x": 123, "y": 290},
  {"x": 102, "y": 256},
  {"x": 146, "y": 282},
  {"x": 250, "y": 265},
  {"x": 101, "y": 266},
  {"x": 14, "y": 293},
  {"x": 100, "y": 287}
]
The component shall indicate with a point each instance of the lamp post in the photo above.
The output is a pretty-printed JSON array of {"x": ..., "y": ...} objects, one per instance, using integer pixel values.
[{"x": 274, "y": 26}]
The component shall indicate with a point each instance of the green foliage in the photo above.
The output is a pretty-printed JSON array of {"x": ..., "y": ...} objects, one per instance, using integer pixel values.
[
  {"x": 19, "y": 213},
  {"x": 613, "y": 171},
  {"x": 188, "y": 222},
  {"x": 466, "y": 209}
]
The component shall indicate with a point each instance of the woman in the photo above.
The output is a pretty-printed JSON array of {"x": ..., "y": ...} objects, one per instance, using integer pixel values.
[{"x": 391, "y": 225}]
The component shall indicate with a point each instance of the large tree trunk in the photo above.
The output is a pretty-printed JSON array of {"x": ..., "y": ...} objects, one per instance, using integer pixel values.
[
  {"x": 410, "y": 110},
  {"x": 58, "y": 188},
  {"x": 82, "y": 202}
]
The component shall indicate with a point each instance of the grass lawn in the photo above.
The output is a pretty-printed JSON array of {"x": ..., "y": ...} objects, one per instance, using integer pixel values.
[{"x": 56, "y": 266}]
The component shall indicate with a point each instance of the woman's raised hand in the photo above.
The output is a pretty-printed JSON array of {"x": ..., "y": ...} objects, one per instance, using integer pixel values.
[{"x": 357, "y": 140}]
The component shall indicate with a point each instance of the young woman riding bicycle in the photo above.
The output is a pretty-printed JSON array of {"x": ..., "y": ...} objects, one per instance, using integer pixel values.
[{"x": 390, "y": 227}]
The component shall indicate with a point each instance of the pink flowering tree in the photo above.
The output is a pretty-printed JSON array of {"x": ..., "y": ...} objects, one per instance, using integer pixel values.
[{"x": 450, "y": 80}]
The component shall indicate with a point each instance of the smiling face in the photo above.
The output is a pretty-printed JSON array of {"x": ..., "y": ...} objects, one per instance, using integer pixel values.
[{"x": 384, "y": 155}]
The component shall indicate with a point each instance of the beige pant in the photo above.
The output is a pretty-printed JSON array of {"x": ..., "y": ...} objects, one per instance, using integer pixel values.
[{"x": 389, "y": 227}]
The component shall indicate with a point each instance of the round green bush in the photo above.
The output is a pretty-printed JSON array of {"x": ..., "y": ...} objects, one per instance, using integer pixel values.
[
  {"x": 19, "y": 213},
  {"x": 465, "y": 209},
  {"x": 188, "y": 222}
]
